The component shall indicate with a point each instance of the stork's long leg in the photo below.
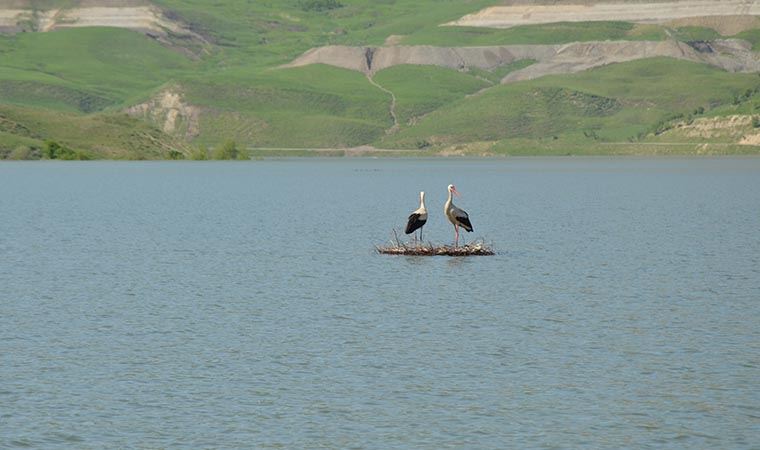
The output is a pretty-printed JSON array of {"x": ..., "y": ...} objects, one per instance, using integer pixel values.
[
  {"x": 420, "y": 234},
  {"x": 456, "y": 236}
]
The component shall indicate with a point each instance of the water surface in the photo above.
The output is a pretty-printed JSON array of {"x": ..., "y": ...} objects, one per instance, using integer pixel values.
[{"x": 239, "y": 305}]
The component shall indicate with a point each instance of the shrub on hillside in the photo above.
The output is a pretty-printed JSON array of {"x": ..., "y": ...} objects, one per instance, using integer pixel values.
[
  {"x": 24, "y": 152},
  {"x": 230, "y": 150},
  {"x": 319, "y": 5},
  {"x": 199, "y": 154},
  {"x": 175, "y": 154},
  {"x": 54, "y": 150}
]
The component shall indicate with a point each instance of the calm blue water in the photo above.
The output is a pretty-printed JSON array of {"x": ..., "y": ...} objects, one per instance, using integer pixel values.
[{"x": 240, "y": 305}]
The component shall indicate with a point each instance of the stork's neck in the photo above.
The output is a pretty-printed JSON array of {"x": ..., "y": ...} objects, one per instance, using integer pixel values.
[
  {"x": 448, "y": 202},
  {"x": 422, "y": 200}
]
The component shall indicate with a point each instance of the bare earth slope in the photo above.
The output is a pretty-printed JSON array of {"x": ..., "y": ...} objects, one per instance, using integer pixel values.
[
  {"x": 640, "y": 12},
  {"x": 169, "y": 111},
  {"x": 736, "y": 128},
  {"x": 733, "y": 55},
  {"x": 130, "y": 14}
]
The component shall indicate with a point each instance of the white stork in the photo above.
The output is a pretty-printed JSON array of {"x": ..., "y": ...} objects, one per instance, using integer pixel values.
[
  {"x": 456, "y": 216},
  {"x": 418, "y": 218}
]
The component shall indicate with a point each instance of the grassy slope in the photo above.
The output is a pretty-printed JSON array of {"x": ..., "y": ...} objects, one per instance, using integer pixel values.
[
  {"x": 275, "y": 32},
  {"x": 50, "y": 81},
  {"x": 615, "y": 103},
  {"x": 62, "y": 84},
  {"x": 321, "y": 105},
  {"x": 422, "y": 89},
  {"x": 752, "y": 36},
  {"x": 115, "y": 136},
  {"x": 556, "y": 33},
  {"x": 113, "y": 64}
]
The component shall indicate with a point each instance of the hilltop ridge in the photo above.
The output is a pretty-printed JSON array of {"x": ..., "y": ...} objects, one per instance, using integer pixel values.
[
  {"x": 137, "y": 15},
  {"x": 642, "y": 11}
]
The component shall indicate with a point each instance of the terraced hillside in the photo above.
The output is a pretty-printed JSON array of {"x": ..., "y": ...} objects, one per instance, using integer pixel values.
[
  {"x": 170, "y": 78},
  {"x": 663, "y": 12}
]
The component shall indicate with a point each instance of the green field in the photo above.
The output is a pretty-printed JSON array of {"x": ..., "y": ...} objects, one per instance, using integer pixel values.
[
  {"x": 617, "y": 103},
  {"x": 73, "y": 86}
]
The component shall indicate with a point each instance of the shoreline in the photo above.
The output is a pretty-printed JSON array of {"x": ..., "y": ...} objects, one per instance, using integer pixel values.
[
  {"x": 323, "y": 157},
  {"x": 470, "y": 151}
]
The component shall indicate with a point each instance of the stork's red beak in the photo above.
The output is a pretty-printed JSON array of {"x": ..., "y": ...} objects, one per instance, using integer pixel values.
[{"x": 455, "y": 192}]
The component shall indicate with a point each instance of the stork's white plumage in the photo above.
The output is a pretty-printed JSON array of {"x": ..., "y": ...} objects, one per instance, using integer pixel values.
[
  {"x": 458, "y": 217},
  {"x": 418, "y": 218}
]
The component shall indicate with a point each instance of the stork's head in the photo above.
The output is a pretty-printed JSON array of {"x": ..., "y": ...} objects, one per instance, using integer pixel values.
[{"x": 453, "y": 190}]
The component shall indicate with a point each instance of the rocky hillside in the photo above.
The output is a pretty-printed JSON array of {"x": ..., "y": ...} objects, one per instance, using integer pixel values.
[{"x": 733, "y": 55}]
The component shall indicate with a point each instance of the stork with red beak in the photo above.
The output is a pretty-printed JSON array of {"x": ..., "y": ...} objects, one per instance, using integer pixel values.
[{"x": 456, "y": 216}]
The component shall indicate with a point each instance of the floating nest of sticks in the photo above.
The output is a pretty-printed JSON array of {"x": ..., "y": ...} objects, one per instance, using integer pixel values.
[
  {"x": 471, "y": 249},
  {"x": 475, "y": 248}
]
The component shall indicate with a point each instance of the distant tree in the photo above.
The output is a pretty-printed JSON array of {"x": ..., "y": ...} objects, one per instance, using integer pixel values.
[
  {"x": 200, "y": 154},
  {"x": 52, "y": 149},
  {"x": 55, "y": 150},
  {"x": 175, "y": 154},
  {"x": 228, "y": 150}
]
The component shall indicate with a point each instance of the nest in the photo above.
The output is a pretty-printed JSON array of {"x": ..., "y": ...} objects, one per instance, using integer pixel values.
[{"x": 476, "y": 248}]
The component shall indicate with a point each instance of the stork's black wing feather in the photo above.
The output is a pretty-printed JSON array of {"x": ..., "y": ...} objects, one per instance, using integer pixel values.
[
  {"x": 414, "y": 223},
  {"x": 464, "y": 222}
]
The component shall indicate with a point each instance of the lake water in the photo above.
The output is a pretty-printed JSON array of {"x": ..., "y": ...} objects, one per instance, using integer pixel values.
[{"x": 242, "y": 305}]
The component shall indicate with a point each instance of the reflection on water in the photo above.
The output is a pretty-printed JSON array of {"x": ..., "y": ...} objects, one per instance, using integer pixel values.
[{"x": 242, "y": 305}]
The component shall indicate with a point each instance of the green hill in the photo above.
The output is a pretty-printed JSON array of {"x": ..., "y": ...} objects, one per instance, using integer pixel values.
[
  {"x": 617, "y": 103},
  {"x": 201, "y": 74}
]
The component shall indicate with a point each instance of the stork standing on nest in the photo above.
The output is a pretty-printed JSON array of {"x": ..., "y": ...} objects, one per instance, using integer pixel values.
[
  {"x": 418, "y": 218},
  {"x": 456, "y": 216}
]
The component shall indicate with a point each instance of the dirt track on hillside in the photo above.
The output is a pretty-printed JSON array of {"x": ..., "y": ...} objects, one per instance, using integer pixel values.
[{"x": 639, "y": 12}]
